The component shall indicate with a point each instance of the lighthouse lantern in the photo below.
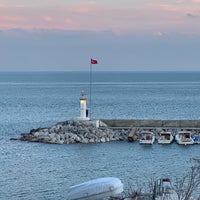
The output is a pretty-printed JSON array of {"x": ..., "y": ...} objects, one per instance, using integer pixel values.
[{"x": 83, "y": 106}]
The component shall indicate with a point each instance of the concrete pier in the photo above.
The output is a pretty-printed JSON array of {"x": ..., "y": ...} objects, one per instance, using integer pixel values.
[{"x": 152, "y": 123}]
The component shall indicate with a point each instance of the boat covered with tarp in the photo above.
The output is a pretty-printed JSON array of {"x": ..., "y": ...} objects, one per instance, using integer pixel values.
[
  {"x": 96, "y": 189},
  {"x": 196, "y": 139}
]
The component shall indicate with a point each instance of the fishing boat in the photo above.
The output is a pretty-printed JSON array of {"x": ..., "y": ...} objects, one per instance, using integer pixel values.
[
  {"x": 147, "y": 137},
  {"x": 184, "y": 137},
  {"x": 165, "y": 137},
  {"x": 96, "y": 189},
  {"x": 163, "y": 190}
]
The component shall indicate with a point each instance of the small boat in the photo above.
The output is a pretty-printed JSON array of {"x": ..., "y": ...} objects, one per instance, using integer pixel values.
[
  {"x": 165, "y": 137},
  {"x": 147, "y": 137},
  {"x": 196, "y": 139},
  {"x": 96, "y": 189},
  {"x": 184, "y": 137},
  {"x": 163, "y": 190}
]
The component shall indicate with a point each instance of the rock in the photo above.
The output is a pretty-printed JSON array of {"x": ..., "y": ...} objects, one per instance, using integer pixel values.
[
  {"x": 75, "y": 131},
  {"x": 52, "y": 135},
  {"x": 77, "y": 139},
  {"x": 103, "y": 139},
  {"x": 92, "y": 140},
  {"x": 46, "y": 140},
  {"x": 14, "y": 139},
  {"x": 85, "y": 141}
]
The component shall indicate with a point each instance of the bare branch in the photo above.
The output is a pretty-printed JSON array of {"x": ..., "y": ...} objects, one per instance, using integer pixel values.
[{"x": 186, "y": 186}]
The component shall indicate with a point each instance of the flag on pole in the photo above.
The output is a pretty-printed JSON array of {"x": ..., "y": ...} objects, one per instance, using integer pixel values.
[{"x": 94, "y": 61}]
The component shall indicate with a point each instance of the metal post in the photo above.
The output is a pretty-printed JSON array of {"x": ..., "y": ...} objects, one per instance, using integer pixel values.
[{"x": 90, "y": 90}]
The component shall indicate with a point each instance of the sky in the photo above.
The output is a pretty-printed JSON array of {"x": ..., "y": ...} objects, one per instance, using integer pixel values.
[{"x": 133, "y": 35}]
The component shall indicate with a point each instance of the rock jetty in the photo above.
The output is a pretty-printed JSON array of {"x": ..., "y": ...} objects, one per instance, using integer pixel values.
[
  {"x": 76, "y": 131},
  {"x": 94, "y": 131}
]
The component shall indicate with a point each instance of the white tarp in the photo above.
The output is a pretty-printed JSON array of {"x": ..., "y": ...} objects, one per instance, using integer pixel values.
[{"x": 96, "y": 189}]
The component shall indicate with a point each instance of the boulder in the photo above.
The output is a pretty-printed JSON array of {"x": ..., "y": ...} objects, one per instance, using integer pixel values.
[{"x": 74, "y": 131}]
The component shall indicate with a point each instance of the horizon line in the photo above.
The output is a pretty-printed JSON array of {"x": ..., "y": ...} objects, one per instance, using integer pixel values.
[{"x": 59, "y": 71}]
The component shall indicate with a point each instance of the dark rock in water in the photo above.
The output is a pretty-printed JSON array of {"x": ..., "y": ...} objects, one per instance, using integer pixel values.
[
  {"x": 14, "y": 139},
  {"x": 32, "y": 131}
]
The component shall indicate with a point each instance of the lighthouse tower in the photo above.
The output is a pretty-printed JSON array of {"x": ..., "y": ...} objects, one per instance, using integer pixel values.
[{"x": 83, "y": 106}]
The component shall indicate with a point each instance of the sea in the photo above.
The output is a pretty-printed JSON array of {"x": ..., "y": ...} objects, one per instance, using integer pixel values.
[{"x": 32, "y": 171}]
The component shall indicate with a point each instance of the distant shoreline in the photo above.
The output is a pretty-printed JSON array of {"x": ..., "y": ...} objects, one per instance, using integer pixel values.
[{"x": 98, "y": 70}]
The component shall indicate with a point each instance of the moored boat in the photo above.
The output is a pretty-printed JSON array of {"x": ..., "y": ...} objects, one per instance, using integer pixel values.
[
  {"x": 163, "y": 190},
  {"x": 165, "y": 137},
  {"x": 96, "y": 189},
  {"x": 184, "y": 137},
  {"x": 147, "y": 137}
]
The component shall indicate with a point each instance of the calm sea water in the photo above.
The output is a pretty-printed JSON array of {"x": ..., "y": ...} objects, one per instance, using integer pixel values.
[{"x": 43, "y": 171}]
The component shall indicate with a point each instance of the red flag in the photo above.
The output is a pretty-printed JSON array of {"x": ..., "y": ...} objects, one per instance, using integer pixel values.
[{"x": 94, "y": 62}]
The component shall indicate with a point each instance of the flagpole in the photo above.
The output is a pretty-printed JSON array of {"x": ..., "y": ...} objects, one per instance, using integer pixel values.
[
  {"x": 92, "y": 61},
  {"x": 90, "y": 90}
]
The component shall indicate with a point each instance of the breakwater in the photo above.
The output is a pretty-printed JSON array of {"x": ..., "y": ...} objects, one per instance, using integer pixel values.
[
  {"x": 152, "y": 123},
  {"x": 75, "y": 131},
  {"x": 94, "y": 131}
]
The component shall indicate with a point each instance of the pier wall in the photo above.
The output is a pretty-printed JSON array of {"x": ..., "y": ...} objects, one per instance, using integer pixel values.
[{"x": 152, "y": 123}]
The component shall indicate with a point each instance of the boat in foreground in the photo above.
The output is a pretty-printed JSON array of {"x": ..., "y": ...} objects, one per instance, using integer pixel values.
[
  {"x": 163, "y": 190},
  {"x": 165, "y": 137},
  {"x": 96, "y": 189},
  {"x": 147, "y": 137},
  {"x": 184, "y": 137}
]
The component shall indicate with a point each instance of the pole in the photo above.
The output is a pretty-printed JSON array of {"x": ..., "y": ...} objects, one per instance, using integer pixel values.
[{"x": 90, "y": 90}]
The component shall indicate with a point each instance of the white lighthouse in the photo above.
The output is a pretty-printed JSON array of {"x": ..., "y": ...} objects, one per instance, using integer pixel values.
[{"x": 83, "y": 106}]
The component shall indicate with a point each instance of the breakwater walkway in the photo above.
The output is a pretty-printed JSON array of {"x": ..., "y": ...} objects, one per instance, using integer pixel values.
[
  {"x": 152, "y": 123},
  {"x": 104, "y": 130}
]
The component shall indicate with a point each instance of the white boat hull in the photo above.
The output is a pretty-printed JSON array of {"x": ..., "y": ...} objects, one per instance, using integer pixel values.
[
  {"x": 165, "y": 138},
  {"x": 185, "y": 142},
  {"x": 147, "y": 141},
  {"x": 184, "y": 138},
  {"x": 96, "y": 189},
  {"x": 168, "y": 197},
  {"x": 165, "y": 141},
  {"x": 147, "y": 138}
]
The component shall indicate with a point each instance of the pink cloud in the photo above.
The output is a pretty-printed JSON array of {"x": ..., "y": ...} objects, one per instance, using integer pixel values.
[
  {"x": 69, "y": 21},
  {"x": 47, "y": 18},
  {"x": 11, "y": 7},
  {"x": 9, "y": 22},
  {"x": 169, "y": 8},
  {"x": 178, "y": 8},
  {"x": 160, "y": 34},
  {"x": 143, "y": 18},
  {"x": 13, "y": 18},
  {"x": 81, "y": 9}
]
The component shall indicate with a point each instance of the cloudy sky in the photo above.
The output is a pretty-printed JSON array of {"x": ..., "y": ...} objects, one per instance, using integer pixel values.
[{"x": 46, "y": 35}]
